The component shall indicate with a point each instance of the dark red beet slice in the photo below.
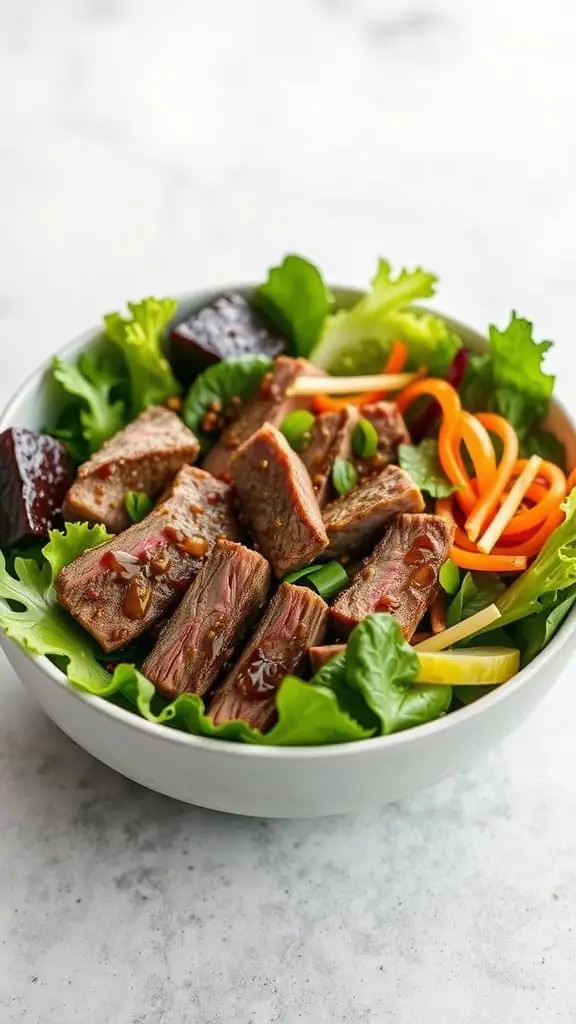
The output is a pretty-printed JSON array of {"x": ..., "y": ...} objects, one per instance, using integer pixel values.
[
  {"x": 35, "y": 474},
  {"x": 226, "y": 328}
]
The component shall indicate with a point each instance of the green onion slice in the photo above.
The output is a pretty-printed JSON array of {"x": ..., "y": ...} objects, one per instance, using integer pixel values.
[
  {"x": 364, "y": 439},
  {"x": 344, "y": 476},
  {"x": 296, "y": 427},
  {"x": 449, "y": 577},
  {"x": 327, "y": 579}
]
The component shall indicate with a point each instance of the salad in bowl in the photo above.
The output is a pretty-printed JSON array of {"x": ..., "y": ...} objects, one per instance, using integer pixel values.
[{"x": 290, "y": 516}]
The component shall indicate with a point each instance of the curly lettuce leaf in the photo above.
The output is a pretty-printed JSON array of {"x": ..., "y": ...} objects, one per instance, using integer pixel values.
[
  {"x": 510, "y": 380},
  {"x": 94, "y": 414},
  {"x": 296, "y": 300},
  {"x": 552, "y": 572},
  {"x": 421, "y": 462},
  {"x": 231, "y": 378},
  {"x": 31, "y": 615},
  {"x": 307, "y": 715},
  {"x": 383, "y": 667},
  {"x": 139, "y": 339},
  {"x": 358, "y": 340}
]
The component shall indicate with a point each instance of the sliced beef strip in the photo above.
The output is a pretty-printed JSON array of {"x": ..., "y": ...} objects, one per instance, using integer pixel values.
[
  {"x": 354, "y": 521},
  {"x": 400, "y": 576},
  {"x": 331, "y": 438},
  {"x": 119, "y": 589},
  {"x": 277, "y": 499},
  {"x": 320, "y": 656},
  {"x": 145, "y": 456},
  {"x": 269, "y": 405},
  {"x": 216, "y": 612},
  {"x": 296, "y": 619},
  {"x": 226, "y": 328}
]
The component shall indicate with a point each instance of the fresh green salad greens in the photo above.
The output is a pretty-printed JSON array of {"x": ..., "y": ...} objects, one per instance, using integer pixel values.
[
  {"x": 139, "y": 339},
  {"x": 509, "y": 379},
  {"x": 421, "y": 462},
  {"x": 232, "y": 378},
  {"x": 31, "y": 615},
  {"x": 370, "y": 689},
  {"x": 108, "y": 386},
  {"x": 296, "y": 300}
]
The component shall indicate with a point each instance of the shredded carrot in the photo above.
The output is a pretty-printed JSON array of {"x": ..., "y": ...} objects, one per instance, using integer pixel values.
[
  {"x": 529, "y": 546},
  {"x": 555, "y": 494},
  {"x": 571, "y": 481},
  {"x": 506, "y": 511},
  {"x": 476, "y": 561},
  {"x": 396, "y": 362},
  {"x": 488, "y": 502}
]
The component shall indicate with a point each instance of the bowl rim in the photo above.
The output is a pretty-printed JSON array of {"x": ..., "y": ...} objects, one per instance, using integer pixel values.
[{"x": 359, "y": 747}]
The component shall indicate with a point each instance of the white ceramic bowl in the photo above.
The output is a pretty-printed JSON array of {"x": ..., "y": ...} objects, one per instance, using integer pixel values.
[{"x": 281, "y": 782}]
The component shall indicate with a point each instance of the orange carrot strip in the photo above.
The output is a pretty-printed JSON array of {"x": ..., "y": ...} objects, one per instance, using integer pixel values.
[
  {"x": 506, "y": 511},
  {"x": 396, "y": 362},
  {"x": 553, "y": 498},
  {"x": 528, "y": 546},
  {"x": 488, "y": 501},
  {"x": 476, "y": 561},
  {"x": 571, "y": 481},
  {"x": 480, "y": 447},
  {"x": 449, "y": 402}
]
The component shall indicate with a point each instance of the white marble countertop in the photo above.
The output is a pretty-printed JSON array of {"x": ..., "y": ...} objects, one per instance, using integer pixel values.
[{"x": 149, "y": 147}]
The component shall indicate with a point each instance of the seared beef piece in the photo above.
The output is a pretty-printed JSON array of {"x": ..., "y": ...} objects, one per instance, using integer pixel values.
[
  {"x": 399, "y": 577},
  {"x": 331, "y": 438},
  {"x": 320, "y": 656},
  {"x": 389, "y": 425},
  {"x": 142, "y": 457},
  {"x": 35, "y": 473},
  {"x": 268, "y": 405},
  {"x": 296, "y": 619},
  {"x": 117, "y": 590},
  {"x": 277, "y": 499},
  {"x": 226, "y": 328},
  {"x": 213, "y": 617},
  {"x": 356, "y": 520}
]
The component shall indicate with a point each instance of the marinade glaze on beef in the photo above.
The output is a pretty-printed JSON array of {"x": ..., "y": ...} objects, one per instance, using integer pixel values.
[
  {"x": 295, "y": 620},
  {"x": 331, "y": 438},
  {"x": 357, "y": 519},
  {"x": 213, "y": 617},
  {"x": 270, "y": 404},
  {"x": 118, "y": 590},
  {"x": 145, "y": 456},
  {"x": 277, "y": 498},
  {"x": 399, "y": 577}
]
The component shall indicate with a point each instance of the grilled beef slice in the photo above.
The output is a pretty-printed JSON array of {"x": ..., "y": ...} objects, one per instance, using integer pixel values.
[
  {"x": 320, "y": 656},
  {"x": 331, "y": 438},
  {"x": 118, "y": 590},
  {"x": 269, "y": 405},
  {"x": 389, "y": 425},
  {"x": 211, "y": 620},
  {"x": 400, "y": 576},
  {"x": 296, "y": 618},
  {"x": 277, "y": 499},
  {"x": 356, "y": 520},
  {"x": 145, "y": 456}
]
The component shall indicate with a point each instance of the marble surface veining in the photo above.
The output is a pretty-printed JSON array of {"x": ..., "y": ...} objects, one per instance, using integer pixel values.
[{"x": 150, "y": 147}]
